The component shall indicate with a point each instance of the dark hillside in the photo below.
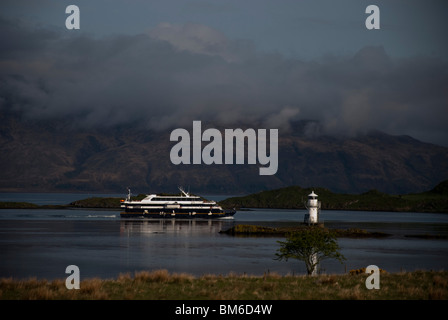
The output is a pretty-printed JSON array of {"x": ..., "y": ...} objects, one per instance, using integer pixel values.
[
  {"x": 56, "y": 156},
  {"x": 373, "y": 200}
]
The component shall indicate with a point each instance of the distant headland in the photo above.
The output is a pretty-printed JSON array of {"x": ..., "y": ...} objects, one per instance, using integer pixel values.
[{"x": 294, "y": 197}]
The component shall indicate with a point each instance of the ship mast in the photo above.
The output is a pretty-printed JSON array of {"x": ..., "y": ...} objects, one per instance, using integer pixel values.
[
  {"x": 183, "y": 192},
  {"x": 128, "y": 197}
]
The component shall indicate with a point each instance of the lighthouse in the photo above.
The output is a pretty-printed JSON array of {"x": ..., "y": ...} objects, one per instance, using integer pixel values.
[{"x": 313, "y": 206}]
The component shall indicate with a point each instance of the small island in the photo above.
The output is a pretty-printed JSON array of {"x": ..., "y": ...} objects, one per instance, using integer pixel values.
[
  {"x": 263, "y": 231},
  {"x": 294, "y": 197}
]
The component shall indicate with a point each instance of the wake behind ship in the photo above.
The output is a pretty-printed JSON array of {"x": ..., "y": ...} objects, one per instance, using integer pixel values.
[{"x": 183, "y": 206}]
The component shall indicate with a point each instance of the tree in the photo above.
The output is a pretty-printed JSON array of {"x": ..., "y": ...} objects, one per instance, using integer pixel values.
[{"x": 311, "y": 245}]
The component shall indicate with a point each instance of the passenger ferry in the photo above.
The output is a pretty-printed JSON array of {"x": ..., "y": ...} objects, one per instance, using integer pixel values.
[{"x": 183, "y": 206}]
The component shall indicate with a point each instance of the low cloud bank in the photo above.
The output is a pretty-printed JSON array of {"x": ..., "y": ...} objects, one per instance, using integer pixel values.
[{"x": 174, "y": 74}]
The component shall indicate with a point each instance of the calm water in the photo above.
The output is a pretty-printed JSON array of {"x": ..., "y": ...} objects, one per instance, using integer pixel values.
[{"x": 42, "y": 243}]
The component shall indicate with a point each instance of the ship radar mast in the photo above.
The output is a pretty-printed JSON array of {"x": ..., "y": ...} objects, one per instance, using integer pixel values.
[{"x": 183, "y": 192}]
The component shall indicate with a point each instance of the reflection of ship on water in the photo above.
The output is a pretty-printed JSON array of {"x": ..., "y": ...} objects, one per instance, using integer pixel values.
[
  {"x": 184, "y": 206},
  {"x": 174, "y": 226}
]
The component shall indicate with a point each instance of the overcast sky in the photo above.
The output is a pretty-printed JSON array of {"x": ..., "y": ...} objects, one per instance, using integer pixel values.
[{"x": 263, "y": 63}]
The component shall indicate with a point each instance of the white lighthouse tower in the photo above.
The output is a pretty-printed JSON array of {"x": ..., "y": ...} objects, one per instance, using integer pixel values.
[{"x": 313, "y": 206}]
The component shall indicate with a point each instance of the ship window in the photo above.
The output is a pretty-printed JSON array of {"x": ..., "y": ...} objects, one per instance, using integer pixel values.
[{"x": 176, "y": 199}]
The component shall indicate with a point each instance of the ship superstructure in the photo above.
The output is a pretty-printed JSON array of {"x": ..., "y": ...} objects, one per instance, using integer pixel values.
[{"x": 181, "y": 206}]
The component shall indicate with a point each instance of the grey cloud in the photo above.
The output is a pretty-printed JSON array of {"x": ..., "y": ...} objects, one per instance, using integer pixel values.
[
  {"x": 174, "y": 74},
  {"x": 197, "y": 38}
]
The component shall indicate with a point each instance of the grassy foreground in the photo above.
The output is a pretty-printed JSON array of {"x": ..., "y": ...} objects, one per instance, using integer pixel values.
[{"x": 160, "y": 285}]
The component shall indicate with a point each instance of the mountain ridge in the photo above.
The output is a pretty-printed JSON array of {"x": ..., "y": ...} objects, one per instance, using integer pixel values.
[{"x": 57, "y": 156}]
